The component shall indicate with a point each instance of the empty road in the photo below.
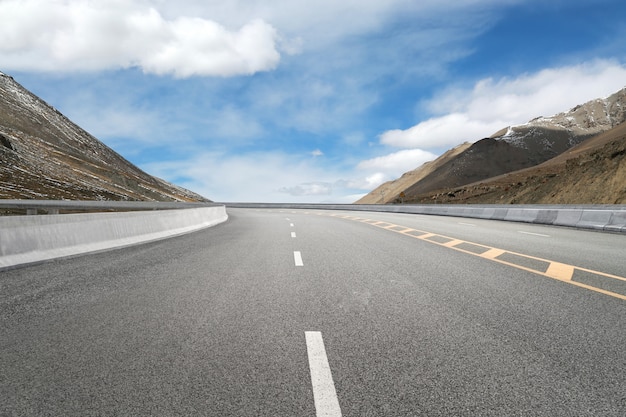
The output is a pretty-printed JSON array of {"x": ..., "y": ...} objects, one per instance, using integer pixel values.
[{"x": 320, "y": 313}]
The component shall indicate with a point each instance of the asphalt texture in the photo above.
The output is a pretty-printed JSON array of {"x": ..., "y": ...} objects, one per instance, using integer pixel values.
[{"x": 213, "y": 323}]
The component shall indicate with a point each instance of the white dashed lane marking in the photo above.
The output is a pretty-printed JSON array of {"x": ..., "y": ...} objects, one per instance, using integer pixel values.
[
  {"x": 324, "y": 393},
  {"x": 533, "y": 234},
  {"x": 297, "y": 258}
]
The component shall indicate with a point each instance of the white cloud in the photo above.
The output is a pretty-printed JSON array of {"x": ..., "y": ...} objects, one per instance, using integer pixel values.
[
  {"x": 317, "y": 153},
  {"x": 319, "y": 21},
  {"x": 397, "y": 163},
  {"x": 38, "y": 35},
  {"x": 385, "y": 168},
  {"x": 368, "y": 182},
  {"x": 471, "y": 114},
  {"x": 447, "y": 130},
  {"x": 271, "y": 177},
  {"x": 257, "y": 176},
  {"x": 202, "y": 47},
  {"x": 308, "y": 189},
  {"x": 322, "y": 22},
  {"x": 210, "y": 37}
]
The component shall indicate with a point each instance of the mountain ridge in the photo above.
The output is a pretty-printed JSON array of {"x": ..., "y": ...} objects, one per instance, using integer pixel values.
[
  {"x": 47, "y": 156},
  {"x": 516, "y": 148},
  {"x": 593, "y": 172}
]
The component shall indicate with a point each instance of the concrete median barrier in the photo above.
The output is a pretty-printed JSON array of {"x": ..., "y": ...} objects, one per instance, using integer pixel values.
[
  {"x": 33, "y": 239},
  {"x": 610, "y": 218}
]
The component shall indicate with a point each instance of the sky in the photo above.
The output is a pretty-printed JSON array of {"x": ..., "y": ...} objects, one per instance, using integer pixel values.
[{"x": 315, "y": 101}]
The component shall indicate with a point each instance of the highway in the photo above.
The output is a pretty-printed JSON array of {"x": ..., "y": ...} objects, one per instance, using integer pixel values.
[{"x": 323, "y": 313}]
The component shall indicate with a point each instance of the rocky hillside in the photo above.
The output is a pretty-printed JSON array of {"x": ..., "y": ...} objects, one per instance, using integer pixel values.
[
  {"x": 518, "y": 147},
  {"x": 46, "y": 156},
  {"x": 391, "y": 189},
  {"x": 593, "y": 172}
]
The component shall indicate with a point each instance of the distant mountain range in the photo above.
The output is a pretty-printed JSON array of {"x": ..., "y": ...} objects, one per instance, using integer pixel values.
[
  {"x": 512, "y": 149},
  {"x": 46, "y": 156}
]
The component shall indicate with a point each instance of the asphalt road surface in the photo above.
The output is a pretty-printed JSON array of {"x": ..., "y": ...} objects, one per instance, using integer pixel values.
[{"x": 311, "y": 313}]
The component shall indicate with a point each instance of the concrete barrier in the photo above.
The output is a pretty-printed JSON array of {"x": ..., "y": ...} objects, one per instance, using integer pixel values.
[
  {"x": 617, "y": 222},
  {"x": 610, "y": 218},
  {"x": 594, "y": 219},
  {"x": 33, "y": 239}
]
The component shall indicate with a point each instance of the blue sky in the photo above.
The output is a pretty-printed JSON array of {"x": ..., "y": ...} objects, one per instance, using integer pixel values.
[{"x": 316, "y": 101}]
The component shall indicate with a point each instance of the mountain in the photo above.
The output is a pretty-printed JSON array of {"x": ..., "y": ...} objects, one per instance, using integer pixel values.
[
  {"x": 593, "y": 172},
  {"x": 391, "y": 189},
  {"x": 517, "y": 147},
  {"x": 45, "y": 156}
]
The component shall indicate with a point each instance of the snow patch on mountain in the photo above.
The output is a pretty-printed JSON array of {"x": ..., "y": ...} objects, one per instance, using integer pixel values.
[{"x": 591, "y": 118}]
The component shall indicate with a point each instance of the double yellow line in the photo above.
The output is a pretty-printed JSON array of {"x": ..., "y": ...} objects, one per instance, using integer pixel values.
[{"x": 547, "y": 268}]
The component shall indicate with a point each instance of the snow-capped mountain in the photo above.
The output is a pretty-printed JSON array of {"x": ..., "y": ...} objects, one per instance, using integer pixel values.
[
  {"x": 46, "y": 156},
  {"x": 510, "y": 149},
  {"x": 585, "y": 120}
]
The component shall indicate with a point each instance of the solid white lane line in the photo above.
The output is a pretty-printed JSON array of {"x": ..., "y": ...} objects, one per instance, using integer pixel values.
[
  {"x": 297, "y": 258},
  {"x": 324, "y": 394},
  {"x": 293, "y": 234},
  {"x": 467, "y": 224},
  {"x": 533, "y": 234}
]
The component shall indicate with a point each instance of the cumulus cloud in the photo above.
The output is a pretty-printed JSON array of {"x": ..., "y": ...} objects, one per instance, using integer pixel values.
[
  {"x": 471, "y": 114},
  {"x": 84, "y": 35},
  {"x": 319, "y": 21},
  {"x": 376, "y": 171},
  {"x": 224, "y": 38},
  {"x": 447, "y": 130},
  {"x": 397, "y": 163}
]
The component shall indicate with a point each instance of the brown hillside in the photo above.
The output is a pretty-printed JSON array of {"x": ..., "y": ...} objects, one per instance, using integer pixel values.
[
  {"x": 594, "y": 172},
  {"x": 518, "y": 147},
  {"x": 488, "y": 158},
  {"x": 390, "y": 190},
  {"x": 43, "y": 155}
]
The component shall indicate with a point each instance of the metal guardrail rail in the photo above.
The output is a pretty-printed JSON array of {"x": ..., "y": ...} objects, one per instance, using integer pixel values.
[{"x": 32, "y": 207}]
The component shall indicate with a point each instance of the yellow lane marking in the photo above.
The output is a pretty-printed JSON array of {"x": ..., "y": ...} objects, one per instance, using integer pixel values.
[
  {"x": 603, "y": 274},
  {"x": 453, "y": 243},
  {"x": 560, "y": 271},
  {"x": 425, "y": 236},
  {"x": 555, "y": 270},
  {"x": 492, "y": 253},
  {"x": 596, "y": 289}
]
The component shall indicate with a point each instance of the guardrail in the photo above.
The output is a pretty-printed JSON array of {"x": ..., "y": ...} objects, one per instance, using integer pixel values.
[{"x": 610, "y": 218}]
